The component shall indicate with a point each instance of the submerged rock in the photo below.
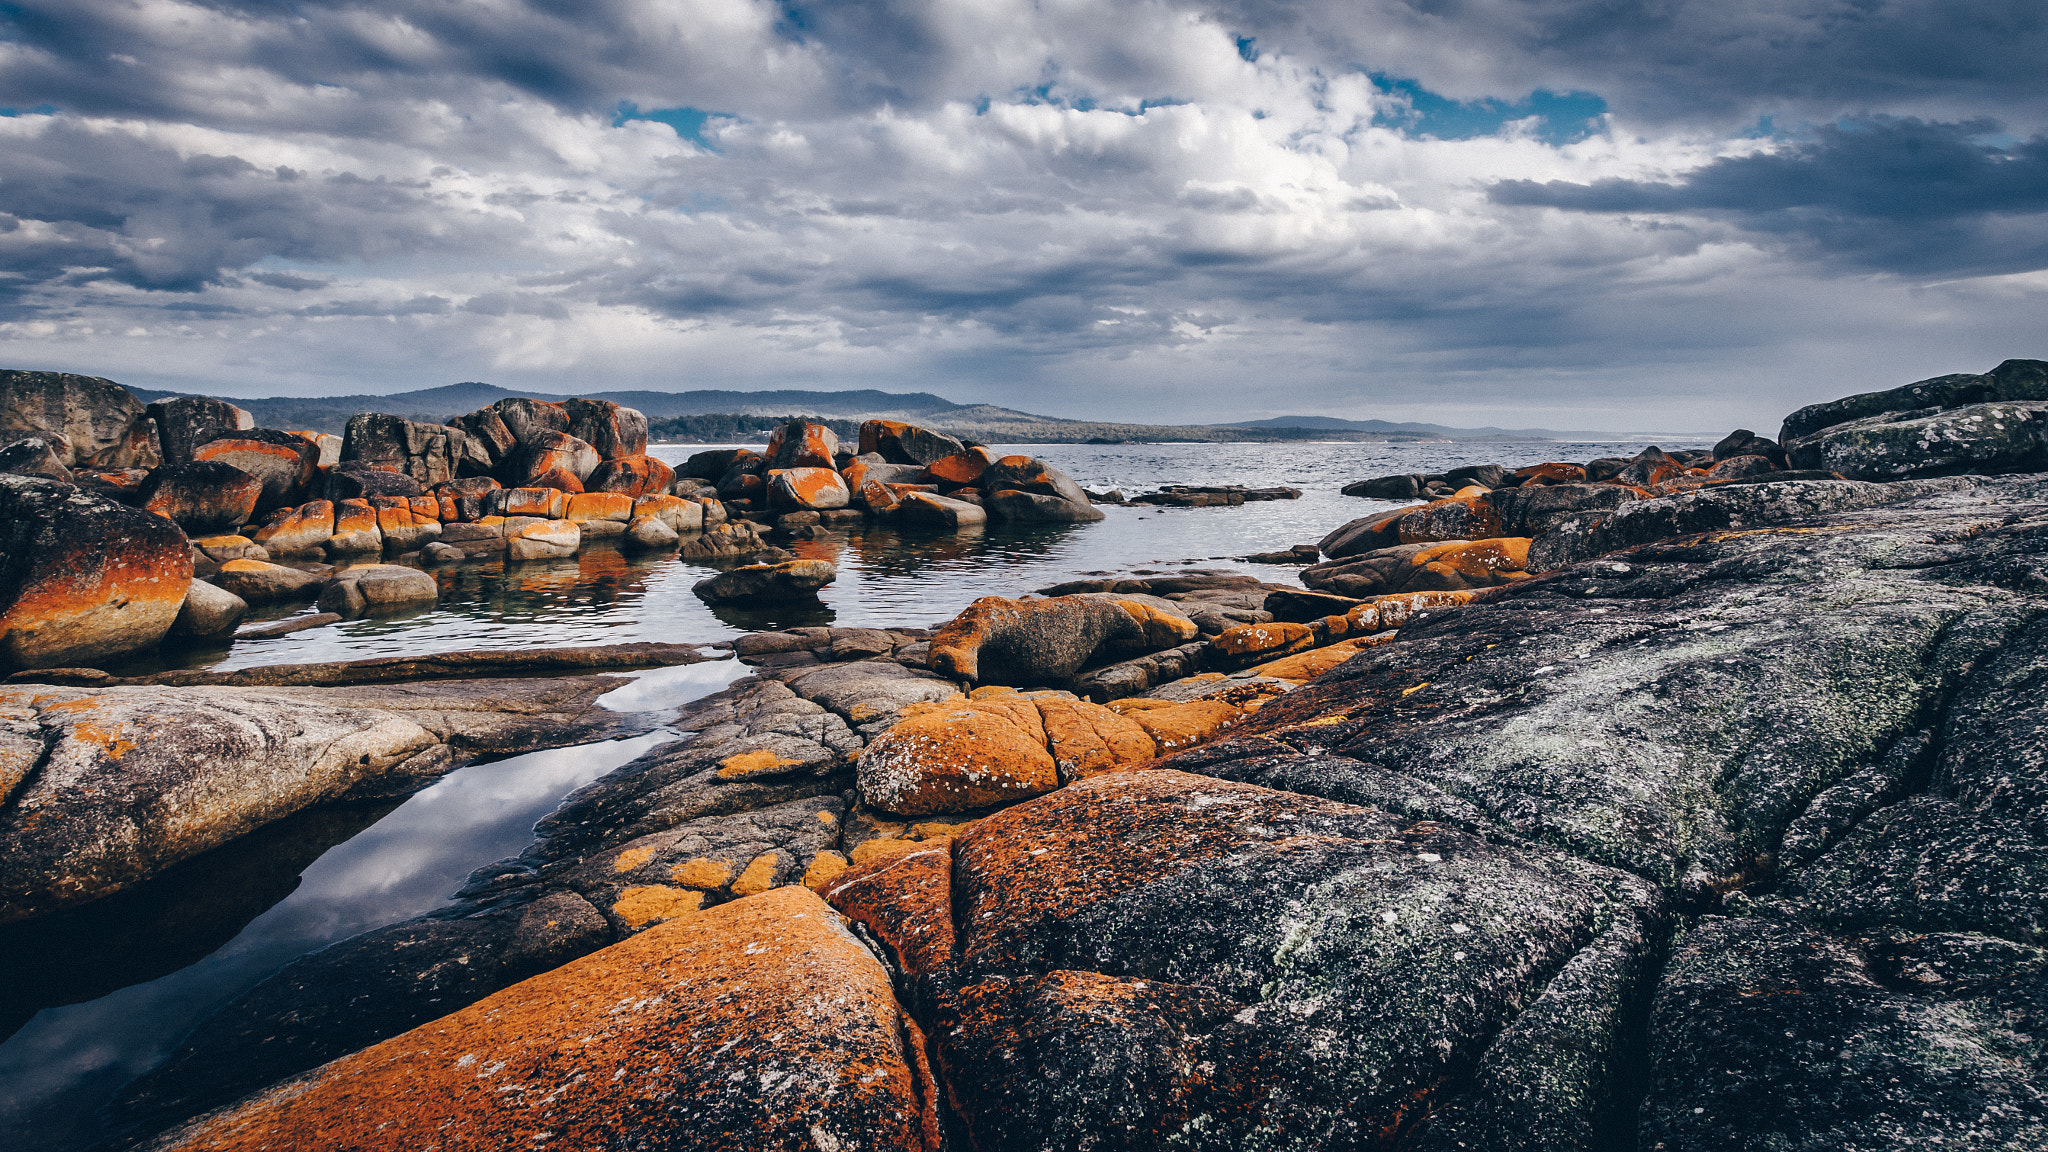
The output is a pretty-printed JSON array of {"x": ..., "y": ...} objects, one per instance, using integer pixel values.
[{"x": 788, "y": 580}]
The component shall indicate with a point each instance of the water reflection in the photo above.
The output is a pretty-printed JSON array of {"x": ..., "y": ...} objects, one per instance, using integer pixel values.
[{"x": 115, "y": 985}]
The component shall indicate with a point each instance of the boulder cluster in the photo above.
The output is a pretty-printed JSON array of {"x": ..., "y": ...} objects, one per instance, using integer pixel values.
[{"x": 902, "y": 473}]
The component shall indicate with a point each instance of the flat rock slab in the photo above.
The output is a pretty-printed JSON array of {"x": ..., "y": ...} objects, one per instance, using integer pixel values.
[
  {"x": 762, "y": 1024},
  {"x": 387, "y": 669},
  {"x": 108, "y": 786}
]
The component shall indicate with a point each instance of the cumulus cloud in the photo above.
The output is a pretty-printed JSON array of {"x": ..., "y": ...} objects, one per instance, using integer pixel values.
[{"x": 1116, "y": 210}]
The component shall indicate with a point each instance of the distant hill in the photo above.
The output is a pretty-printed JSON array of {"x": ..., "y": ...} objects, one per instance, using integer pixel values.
[{"x": 987, "y": 423}]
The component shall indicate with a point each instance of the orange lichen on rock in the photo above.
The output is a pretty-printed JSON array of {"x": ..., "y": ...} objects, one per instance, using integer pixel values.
[
  {"x": 1163, "y": 629},
  {"x": 1308, "y": 665},
  {"x": 548, "y": 503},
  {"x": 961, "y": 468},
  {"x": 355, "y": 528},
  {"x": 632, "y": 858},
  {"x": 302, "y": 529},
  {"x": 1174, "y": 726},
  {"x": 702, "y": 872},
  {"x": 584, "y": 507},
  {"x": 868, "y": 851},
  {"x": 758, "y": 876},
  {"x": 1387, "y": 612},
  {"x": 631, "y": 476},
  {"x": 1086, "y": 738},
  {"x": 1505, "y": 557},
  {"x": 956, "y": 755},
  {"x": 762, "y": 1023},
  {"x": 806, "y": 489},
  {"x": 905, "y": 899},
  {"x": 825, "y": 867},
  {"x": 654, "y": 903},
  {"x": 1466, "y": 515},
  {"x": 1264, "y": 640}
]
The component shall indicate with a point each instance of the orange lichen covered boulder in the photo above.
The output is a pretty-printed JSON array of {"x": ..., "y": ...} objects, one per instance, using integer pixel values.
[
  {"x": 1176, "y": 725},
  {"x": 612, "y": 430},
  {"x": 550, "y": 503},
  {"x": 1033, "y": 642},
  {"x": 879, "y": 497},
  {"x": 1305, "y": 666},
  {"x": 285, "y": 462},
  {"x": 1389, "y": 612},
  {"x": 1552, "y": 473},
  {"x": 679, "y": 514},
  {"x": 957, "y": 755},
  {"x": 962, "y": 468},
  {"x": 1481, "y": 563},
  {"x": 807, "y": 489},
  {"x": 1252, "y": 643},
  {"x": 404, "y": 527},
  {"x": 81, "y": 577},
  {"x": 306, "y": 528},
  {"x": 900, "y": 443},
  {"x": 760, "y": 1024},
  {"x": 355, "y": 528},
  {"x": 1086, "y": 738},
  {"x": 205, "y": 497},
  {"x": 588, "y": 506},
  {"x": 546, "y": 459},
  {"x": 547, "y": 540},
  {"x": 1163, "y": 629},
  {"x": 1467, "y": 515},
  {"x": 631, "y": 476},
  {"x": 801, "y": 444}
]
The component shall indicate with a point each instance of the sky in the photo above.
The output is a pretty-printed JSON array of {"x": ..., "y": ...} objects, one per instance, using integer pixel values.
[{"x": 1603, "y": 214}]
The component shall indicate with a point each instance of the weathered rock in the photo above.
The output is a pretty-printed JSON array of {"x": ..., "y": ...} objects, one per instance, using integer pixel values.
[
  {"x": 304, "y": 529},
  {"x": 1146, "y": 955},
  {"x": 802, "y": 444},
  {"x": 710, "y": 464},
  {"x": 2011, "y": 380},
  {"x": 547, "y": 539},
  {"x": 353, "y": 480},
  {"x": 547, "y": 453},
  {"x": 900, "y": 443},
  {"x": 650, "y": 532},
  {"x": 590, "y": 507},
  {"x": 208, "y": 612},
  {"x": 372, "y": 589},
  {"x": 964, "y": 467},
  {"x": 547, "y": 503},
  {"x": 260, "y": 582},
  {"x": 631, "y": 476},
  {"x": 1469, "y": 515},
  {"x": 1743, "y": 442},
  {"x": 183, "y": 423},
  {"x": 356, "y": 530},
  {"x": 1981, "y": 438},
  {"x": 406, "y": 522},
  {"x": 285, "y": 463},
  {"x": 1767, "y": 1034},
  {"x": 952, "y": 757},
  {"x": 102, "y": 426},
  {"x": 1554, "y": 472},
  {"x": 615, "y": 432},
  {"x": 754, "y": 583},
  {"x": 1404, "y": 487},
  {"x": 1030, "y": 507},
  {"x": 736, "y": 538},
  {"x": 139, "y": 778},
  {"x": 1029, "y": 643},
  {"x": 680, "y": 515},
  {"x": 42, "y": 456},
  {"x": 1030, "y": 474},
  {"x": 1741, "y": 467},
  {"x": 1365, "y": 534},
  {"x": 204, "y": 498},
  {"x": 82, "y": 578},
  {"x": 807, "y": 488},
  {"x": 1533, "y": 509},
  {"x": 528, "y": 420},
  {"x": 929, "y": 510},
  {"x": 325, "y": 444},
  {"x": 771, "y": 986}
]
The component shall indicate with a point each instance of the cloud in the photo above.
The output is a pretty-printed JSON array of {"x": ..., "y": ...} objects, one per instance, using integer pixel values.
[
  {"x": 1118, "y": 209},
  {"x": 1902, "y": 195}
]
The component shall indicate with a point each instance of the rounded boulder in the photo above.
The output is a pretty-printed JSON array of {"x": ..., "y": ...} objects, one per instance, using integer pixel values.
[
  {"x": 205, "y": 497},
  {"x": 756, "y": 583},
  {"x": 83, "y": 578}
]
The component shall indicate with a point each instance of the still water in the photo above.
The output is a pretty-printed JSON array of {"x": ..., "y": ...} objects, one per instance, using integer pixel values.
[{"x": 95, "y": 997}]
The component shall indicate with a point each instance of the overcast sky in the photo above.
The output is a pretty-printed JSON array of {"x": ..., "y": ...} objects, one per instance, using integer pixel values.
[{"x": 1667, "y": 215}]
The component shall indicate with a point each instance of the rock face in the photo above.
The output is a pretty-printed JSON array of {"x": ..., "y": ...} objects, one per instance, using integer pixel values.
[
  {"x": 42, "y": 456},
  {"x": 183, "y": 423},
  {"x": 428, "y": 453},
  {"x": 2005, "y": 436},
  {"x": 134, "y": 780},
  {"x": 1151, "y": 954},
  {"x": 82, "y": 578},
  {"x": 205, "y": 497},
  {"x": 2011, "y": 380},
  {"x": 612, "y": 431},
  {"x": 695, "y": 1015},
  {"x": 1029, "y": 643},
  {"x": 285, "y": 463},
  {"x": 1828, "y": 730},
  {"x": 807, "y": 489},
  {"x": 546, "y": 455},
  {"x": 800, "y": 444},
  {"x": 900, "y": 443},
  {"x": 103, "y": 427},
  {"x": 760, "y": 583}
]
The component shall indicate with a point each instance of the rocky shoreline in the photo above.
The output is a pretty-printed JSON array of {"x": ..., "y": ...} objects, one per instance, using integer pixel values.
[{"x": 1659, "y": 803}]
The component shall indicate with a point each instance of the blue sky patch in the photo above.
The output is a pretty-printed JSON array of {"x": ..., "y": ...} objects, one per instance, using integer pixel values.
[
  {"x": 687, "y": 122},
  {"x": 1567, "y": 118},
  {"x": 38, "y": 110}
]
